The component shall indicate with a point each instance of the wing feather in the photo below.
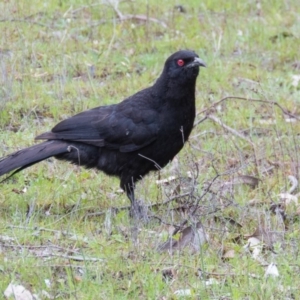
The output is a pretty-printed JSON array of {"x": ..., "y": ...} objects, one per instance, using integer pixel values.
[{"x": 127, "y": 127}]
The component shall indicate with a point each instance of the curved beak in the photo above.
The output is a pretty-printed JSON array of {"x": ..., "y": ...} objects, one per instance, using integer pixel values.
[{"x": 197, "y": 62}]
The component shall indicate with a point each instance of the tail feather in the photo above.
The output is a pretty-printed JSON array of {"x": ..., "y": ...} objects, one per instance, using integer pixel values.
[{"x": 27, "y": 157}]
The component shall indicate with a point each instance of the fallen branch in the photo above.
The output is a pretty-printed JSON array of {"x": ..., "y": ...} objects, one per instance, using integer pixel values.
[
  {"x": 134, "y": 17},
  {"x": 231, "y": 130},
  {"x": 75, "y": 257},
  {"x": 245, "y": 99}
]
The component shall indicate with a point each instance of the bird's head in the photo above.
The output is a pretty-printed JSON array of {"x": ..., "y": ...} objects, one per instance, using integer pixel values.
[{"x": 183, "y": 66}]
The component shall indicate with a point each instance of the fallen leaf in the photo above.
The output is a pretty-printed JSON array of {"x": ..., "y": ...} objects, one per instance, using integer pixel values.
[
  {"x": 186, "y": 292},
  {"x": 272, "y": 271},
  {"x": 192, "y": 236},
  {"x": 18, "y": 292},
  {"x": 267, "y": 237},
  {"x": 255, "y": 246},
  {"x": 229, "y": 254},
  {"x": 211, "y": 281},
  {"x": 295, "y": 80},
  {"x": 169, "y": 245}
]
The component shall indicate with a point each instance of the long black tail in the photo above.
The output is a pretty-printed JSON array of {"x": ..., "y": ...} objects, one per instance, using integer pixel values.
[{"x": 27, "y": 157}]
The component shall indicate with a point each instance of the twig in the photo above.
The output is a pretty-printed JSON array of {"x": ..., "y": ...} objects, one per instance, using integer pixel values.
[
  {"x": 117, "y": 209},
  {"x": 178, "y": 228},
  {"x": 170, "y": 200},
  {"x": 233, "y": 131},
  {"x": 162, "y": 221},
  {"x": 74, "y": 11},
  {"x": 27, "y": 21},
  {"x": 144, "y": 18},
  {"x": 35, "y": 228},
  {"x": 76, "y": 258},
  {"x": 245, "y": 99},
  {"x": 293, "y": 180},
  {"x": 240, "y": 135}
]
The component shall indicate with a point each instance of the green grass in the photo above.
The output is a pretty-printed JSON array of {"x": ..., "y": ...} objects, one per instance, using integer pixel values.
[{"x": 58, "y": 58}]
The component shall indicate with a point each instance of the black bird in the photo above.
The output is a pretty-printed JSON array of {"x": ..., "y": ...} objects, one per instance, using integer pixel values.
[{"x": 128, "y": 140}]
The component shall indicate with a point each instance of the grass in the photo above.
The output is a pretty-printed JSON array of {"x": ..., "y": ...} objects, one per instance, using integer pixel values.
[{"x": 58, "y": 58}]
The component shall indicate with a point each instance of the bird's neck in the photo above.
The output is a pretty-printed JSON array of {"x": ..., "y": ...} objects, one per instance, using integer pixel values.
[{"x": 174, "y": 90}]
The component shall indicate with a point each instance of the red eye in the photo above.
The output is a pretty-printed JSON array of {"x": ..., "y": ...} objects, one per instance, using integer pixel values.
[{"x": 180, "y": 62}]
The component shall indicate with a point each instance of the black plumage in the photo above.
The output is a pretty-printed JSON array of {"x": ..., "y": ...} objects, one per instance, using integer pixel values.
[{"x": 130, "y": 139}]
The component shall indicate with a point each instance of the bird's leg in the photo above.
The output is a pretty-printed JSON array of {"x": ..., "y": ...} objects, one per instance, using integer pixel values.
[{"x": 138, "y": 211}]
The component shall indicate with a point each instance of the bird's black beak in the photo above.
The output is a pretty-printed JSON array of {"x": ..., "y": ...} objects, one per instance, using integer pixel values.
[{"x": 197, "y": 62}]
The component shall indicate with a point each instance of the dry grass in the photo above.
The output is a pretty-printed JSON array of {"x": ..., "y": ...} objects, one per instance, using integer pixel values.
[{"x": 58, "y": 232}]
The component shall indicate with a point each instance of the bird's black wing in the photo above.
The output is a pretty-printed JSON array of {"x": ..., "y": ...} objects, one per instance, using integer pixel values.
[{"x": 127, "y": 126}]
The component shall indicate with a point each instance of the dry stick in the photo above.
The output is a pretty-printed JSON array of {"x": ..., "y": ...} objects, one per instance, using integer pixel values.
[
  {"x": 238, "y": 134},
  {"x": 74, "y": 11},
  {"x": 33, "y": 248},
  {"x": 246, "y": 99},
  {"x": 218, "y": 121},
  {"x": 75, "y": 257},
  {"x": 127, "y": 207},
  {"x": 29, "y": 22},
  {"x": 116, "y": 9},
  {"x": 178, "y": 228},
  {"x": 233, "y": 131},
  {"x": 134, "y": 17},
  {"x": 34, "y": 228}
]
